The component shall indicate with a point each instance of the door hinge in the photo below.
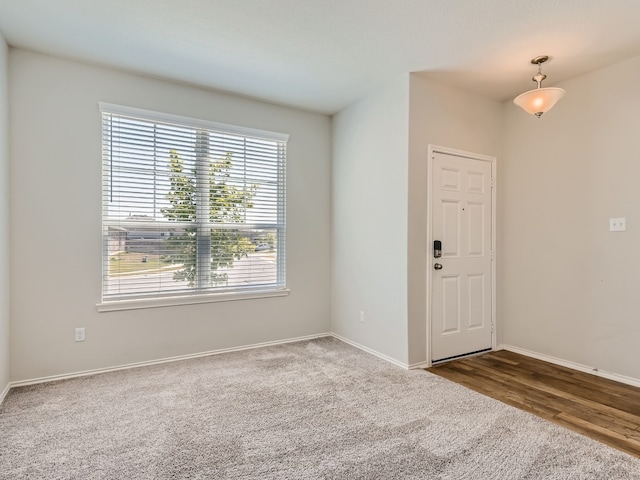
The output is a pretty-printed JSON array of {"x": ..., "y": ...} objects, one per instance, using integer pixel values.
[{"x": 493, "y": 183}]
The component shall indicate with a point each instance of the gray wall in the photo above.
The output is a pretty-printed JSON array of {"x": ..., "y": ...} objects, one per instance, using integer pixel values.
[
  {"x": 570, "y": 287},
  {"x": 4, "y": 217},
  {"x": 448, "y": 117},
  {"x": 369, "y": 254},
  {"x": 56, "y": 231},
  {"x": 379, "y": 182}
]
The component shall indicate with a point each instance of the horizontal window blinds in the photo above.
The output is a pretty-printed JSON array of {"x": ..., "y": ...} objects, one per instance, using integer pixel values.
[{"x": 189, "y": 207}]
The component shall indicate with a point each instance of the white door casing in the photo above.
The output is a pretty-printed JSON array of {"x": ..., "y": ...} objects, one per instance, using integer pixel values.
[{"x": 462, "y": 213}]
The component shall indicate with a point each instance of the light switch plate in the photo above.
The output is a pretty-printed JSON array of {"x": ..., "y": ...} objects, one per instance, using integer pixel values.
[
  {"x": 80, "y": 334},
  {"x": 618, "y": 224}
]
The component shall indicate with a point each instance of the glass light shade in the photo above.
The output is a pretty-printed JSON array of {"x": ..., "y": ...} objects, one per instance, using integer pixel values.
[{"x": 540, "y": 100}]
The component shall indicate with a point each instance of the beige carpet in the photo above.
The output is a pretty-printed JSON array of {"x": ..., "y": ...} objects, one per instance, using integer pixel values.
[{"x": 310, "y": 410}]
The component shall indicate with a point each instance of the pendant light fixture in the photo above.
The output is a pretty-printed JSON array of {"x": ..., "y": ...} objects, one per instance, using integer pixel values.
[{"x": 539, "y": 100}]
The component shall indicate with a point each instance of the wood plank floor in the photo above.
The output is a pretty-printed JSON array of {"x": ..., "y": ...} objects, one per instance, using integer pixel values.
[{"x": 602, "y": 409}]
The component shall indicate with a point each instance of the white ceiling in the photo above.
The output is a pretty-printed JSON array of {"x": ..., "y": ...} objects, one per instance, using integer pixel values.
[{"x": 323, "y": 55}]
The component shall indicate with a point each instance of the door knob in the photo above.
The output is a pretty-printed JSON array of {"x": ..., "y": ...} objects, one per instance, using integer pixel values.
[{"x": 437, "y": 266}]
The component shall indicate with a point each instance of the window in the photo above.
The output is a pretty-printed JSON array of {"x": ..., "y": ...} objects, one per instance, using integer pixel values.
[{"x": 190, "y": 207}]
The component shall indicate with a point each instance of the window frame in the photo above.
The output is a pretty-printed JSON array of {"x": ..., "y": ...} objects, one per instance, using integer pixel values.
[{"x": 200, "y": 295}]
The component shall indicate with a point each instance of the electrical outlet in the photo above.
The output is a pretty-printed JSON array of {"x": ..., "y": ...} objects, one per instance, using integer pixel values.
[
  {"x": 618, "y": 224},
  {"x": 362, "y": 316},
  {"x": 80, "y": 334}
]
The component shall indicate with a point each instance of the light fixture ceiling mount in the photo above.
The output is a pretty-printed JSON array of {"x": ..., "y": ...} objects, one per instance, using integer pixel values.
[{"x": 539, "y": 100}]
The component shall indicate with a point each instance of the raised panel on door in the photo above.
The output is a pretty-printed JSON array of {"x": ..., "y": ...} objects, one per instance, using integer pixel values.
[
  {"x": 475, "y": 229},
  {"x": 476, "y": 295},
  {"x": 451, "y": 312},
  {"x": 451, "y": 228}
]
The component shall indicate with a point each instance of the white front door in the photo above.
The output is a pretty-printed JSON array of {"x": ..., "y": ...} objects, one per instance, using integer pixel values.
[{"x": 461, "y": 278}]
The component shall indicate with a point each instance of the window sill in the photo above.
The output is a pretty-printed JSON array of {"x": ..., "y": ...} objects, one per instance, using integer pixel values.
[{"x": 187, "y": 300}]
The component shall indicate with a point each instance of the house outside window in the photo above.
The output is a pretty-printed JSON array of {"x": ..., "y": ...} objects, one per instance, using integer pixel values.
[{"x": 190, "y": 207}]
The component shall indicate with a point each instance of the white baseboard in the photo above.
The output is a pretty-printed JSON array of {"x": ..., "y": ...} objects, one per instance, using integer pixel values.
[
  {"x": 540, "y": 356},
  {"x": 575, "y": 366},
  {"x": 84, "y": 373},
  {"x": 371, "y": 351},
  {"x": 4, "y": 393},
  {"x": 423, "y": 365}
]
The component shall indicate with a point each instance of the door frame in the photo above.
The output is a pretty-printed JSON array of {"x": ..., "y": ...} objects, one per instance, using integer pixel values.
[{"x": 433, "y": 149}]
